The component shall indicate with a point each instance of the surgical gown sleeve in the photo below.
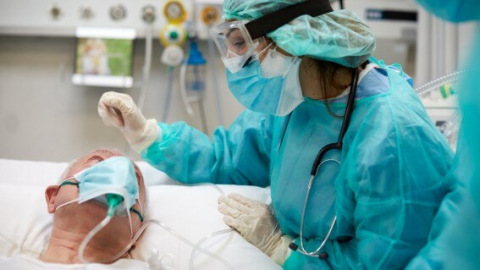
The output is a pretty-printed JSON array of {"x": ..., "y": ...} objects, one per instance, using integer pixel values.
[
  {"x": 238, "y": 155},
  {"x": 395, "y": 181}
]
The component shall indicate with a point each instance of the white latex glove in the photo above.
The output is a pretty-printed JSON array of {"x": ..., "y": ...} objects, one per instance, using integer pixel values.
[
  {"x": 119, "y": 110},
  {"x": 255, "y": 221}
]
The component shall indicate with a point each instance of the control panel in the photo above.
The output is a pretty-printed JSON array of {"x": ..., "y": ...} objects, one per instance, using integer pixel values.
[{"x": 62, "y": 18}]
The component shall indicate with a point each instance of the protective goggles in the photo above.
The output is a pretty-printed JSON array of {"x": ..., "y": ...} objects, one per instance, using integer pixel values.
[{"x": 237, "y": 41}]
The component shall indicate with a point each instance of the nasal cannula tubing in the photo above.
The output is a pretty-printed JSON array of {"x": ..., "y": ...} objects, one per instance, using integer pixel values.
[
  {"x": 200, "y": 242},
  {"x": 195, "y": 247}
]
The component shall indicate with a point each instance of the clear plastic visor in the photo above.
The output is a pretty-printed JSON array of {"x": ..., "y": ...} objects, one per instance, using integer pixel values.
[{"x": 234, "y": 43}]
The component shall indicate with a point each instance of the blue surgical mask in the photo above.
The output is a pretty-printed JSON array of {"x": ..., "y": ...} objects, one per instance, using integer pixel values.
[
  {"x": 115, "y": 175},
  {"x": 272, "y": 87}
]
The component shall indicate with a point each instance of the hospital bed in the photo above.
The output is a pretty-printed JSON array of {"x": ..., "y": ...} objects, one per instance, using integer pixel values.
[{"x": 189, "y": 210}]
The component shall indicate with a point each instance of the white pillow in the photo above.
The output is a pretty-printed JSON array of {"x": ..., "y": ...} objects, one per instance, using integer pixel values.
[
  {"x": 26, "y": 224},
  {"x": 192, "y": 212},
  {"x": 44, "y": 173}
]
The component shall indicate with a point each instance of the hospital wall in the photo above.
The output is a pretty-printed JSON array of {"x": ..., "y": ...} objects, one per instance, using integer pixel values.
[{"x": 44, "y": 117}]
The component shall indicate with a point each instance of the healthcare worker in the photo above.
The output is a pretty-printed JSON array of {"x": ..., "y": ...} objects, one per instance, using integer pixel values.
[
  {"x": 454, "y": 242},
  {"x": 356, "y": 168}
]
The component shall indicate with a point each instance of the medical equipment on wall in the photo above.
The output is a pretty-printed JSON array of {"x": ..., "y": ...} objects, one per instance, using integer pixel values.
[
  {"x": 192, "y": 82},
  {"x": 315, "y": 168},
  {"x": 210, "y": 15},
  {"x": 440, "y": 99},
  {"x": 172, "y": 36}
]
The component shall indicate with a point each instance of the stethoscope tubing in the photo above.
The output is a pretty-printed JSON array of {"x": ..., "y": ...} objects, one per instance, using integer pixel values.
[{"x": 316, "y": 165}]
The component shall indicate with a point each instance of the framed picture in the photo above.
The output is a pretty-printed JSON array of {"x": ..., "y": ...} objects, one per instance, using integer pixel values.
[{"x": 104, "y": 57}]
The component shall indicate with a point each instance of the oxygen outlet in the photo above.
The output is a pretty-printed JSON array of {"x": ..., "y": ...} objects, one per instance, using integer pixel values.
[{"x": 148, "y": 14}]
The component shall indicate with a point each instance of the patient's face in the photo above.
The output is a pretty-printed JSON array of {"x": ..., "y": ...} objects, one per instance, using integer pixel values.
[{"x": 81, "y": 218}]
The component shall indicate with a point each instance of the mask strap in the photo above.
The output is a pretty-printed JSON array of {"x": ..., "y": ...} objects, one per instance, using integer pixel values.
[
  {"x": 129, "y": 218},
  {"x": 263, "y": 50},
  {"x": 66, "y": 183},
  {"x": 291, "y": 65},
  {"x": 140, "y": 216}
]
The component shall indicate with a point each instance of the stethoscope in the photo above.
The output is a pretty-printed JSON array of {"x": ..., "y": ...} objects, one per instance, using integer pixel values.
[{"x": 316, "y": 165}]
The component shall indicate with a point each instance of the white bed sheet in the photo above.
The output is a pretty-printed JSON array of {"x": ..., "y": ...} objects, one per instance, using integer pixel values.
[{"x": 191, "y": 211}]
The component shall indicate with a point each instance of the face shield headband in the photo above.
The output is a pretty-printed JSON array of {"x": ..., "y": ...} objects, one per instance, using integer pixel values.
[{"x": 237, "y": 40}]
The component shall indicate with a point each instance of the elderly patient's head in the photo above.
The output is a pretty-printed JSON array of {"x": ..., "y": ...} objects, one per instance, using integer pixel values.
[{"x": 74, "y": 221}]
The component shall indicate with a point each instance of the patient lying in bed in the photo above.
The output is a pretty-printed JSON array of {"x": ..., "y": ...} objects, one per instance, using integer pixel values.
[{"x": 74, "y": 221}]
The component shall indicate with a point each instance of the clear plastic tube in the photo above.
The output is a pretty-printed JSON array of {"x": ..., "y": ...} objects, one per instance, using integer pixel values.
[
  {"x": 435, "y": 84},
  {"x": 195, "y": 247},
  {"x": 177, "y": 235},
  {"x": 147, "y": 67},
  {"x": 200, "y": 242},
  {"x": 213, "y": 72},
  {"x": 217, "y": 188},
  {"x": 89, "y": 237},
  {"x": 67, "y": 203},
  {"x": 166, "y": 104}
]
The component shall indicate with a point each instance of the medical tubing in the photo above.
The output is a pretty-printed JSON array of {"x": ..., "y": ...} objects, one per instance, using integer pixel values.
[
  {"x": 220, "y": 191},
  {"x": 213, "y": 72},
  {"x": 69, "y": 202},
  {"x": 146, "y": 73},
  {"x": 433, "y": 85},
  {"x": 200, "y": 242},
  {"x": 174, "y": 233},
  {"x": 147, "y": 65},
  {"x": 203, "y": 118},
  {"x": 89, "y": 237},
  {"x": 113, "y": 201},
  {"x": 166, "y": 104},
  {"x": 170, "y": 230},
  {"x": 183, "y": 87}
]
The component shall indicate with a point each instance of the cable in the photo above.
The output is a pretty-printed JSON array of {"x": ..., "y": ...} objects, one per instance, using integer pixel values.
[
  {"x": 195, "y": 247},
  {"x": 147, "y": 67},
  {"x": 200, "y": 242},
  {"x": 89, "y": 237},
  {"x": 203, "y": 118},
  {"x": 213, "y": 72},
  {"x": 166, "y": 104}
]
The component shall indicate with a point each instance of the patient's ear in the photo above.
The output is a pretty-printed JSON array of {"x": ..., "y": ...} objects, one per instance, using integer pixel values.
[{"x": 50, "y": 195}]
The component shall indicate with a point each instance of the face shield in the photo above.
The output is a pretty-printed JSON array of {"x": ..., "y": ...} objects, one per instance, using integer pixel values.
[
  {"x": 235, "y": 44},
  {"x": 237, "y": 41}
]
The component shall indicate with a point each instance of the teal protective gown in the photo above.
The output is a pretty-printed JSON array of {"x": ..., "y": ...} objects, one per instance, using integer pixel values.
[
  {"x": 454, "y": 242},
  {"x": 385, "y": 191}
]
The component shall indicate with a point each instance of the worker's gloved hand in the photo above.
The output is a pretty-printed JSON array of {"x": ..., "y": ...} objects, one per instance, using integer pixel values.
[
  {"x": 256, "y": 223},
  {"x": 119, "y": 110}
]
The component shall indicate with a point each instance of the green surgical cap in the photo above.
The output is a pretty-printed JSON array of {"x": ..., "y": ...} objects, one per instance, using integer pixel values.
[{"x": 339, "y": 36}]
